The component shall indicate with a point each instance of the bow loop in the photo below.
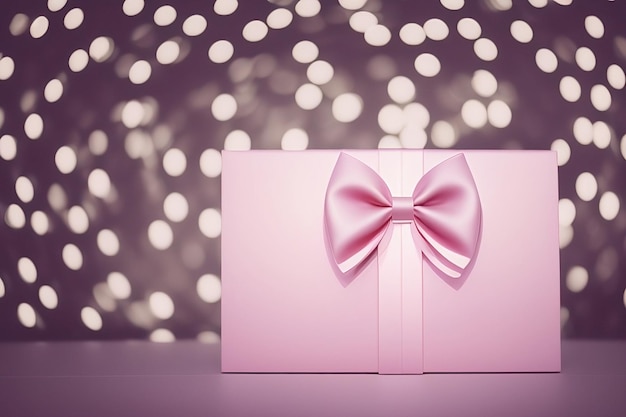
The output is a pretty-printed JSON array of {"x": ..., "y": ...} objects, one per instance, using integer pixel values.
[{"x": 444, "y": 210}]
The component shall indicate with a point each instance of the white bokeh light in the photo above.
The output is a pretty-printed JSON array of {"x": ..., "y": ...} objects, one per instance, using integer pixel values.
[
  {"x": 53, "y": 91},
  {"x": 210, "y": 222},
  {"x": 33, "y": 126},
  {"x": 7, "y": 67},
  {"x": 103, "y": 296},
  {"x": 168, "y": 52},
  {"x": 566, "y": 235},
  {"x": 174, "y": 162},
  {"x": 416, "y": 114},
  {"x": 427, "y": 64},
  {"x": 26, "y": 315},
  {"x": 362, "y": 20},
  {"x": 499, "y": 114},
  {"x": 19, "y": 24},
  {"x": 521, "y": 31},
  {"x": 108, "y": 242},
  {"x": 72, "y": 257},
  {"x": 308, "y": 96},
  {"x": 56, "y": 5},
  {"x": 401, "y": 89},
  {"x": 484, "y": 83},
  {"x": 39, "y": 27},
  {"x": 224, "y": 107},
  {"x": 436, "y": 29},
  {"x": 567, "y": 212},
  {"x": 225, "y": 7},
  {"x": 211, "y": 163},
  {"x": 443, "y": 134},
  {"x": 413, "y": 137},
  {"x": 474, "y": 114},
  {"x": 98, "y": 142},
  {"x": 585, "y": 58},
  {"x": 165, "y": 15},
  {"x": 160, "y": 235},
  {"x": 279, "y": 18},
  {"x": 209, "y": 288},
  {"x": 73, "y": 19},
  {"x": 48, "y": 297},
  {"x": 237, "y": 140},
  {"x": 615, "y": 76},
  {"x": 391, "y": 119},
  {"x": 8, "y": 147},
  {"x": 600, "y": 97},
  {"x": 77, "y": 219},
  {"x": 601, "y": 135},
  {"x": 594, "y": 27},
  {"x": 14, "y": 216},
  {"x": 412, "y": 34},
  {"x": 175, "y": 207},
  {"x": 132, "y": 114},
  {"x": 563, "y": 151},
  {"x": 140, "y": 72},
  {"x": 469, "y": 28},
  {"x": 320, "y": 72},
  {"x": 485, "y": 49},
  {"x": 78, "y": 60},
  {"x": 577, "y": 279},
  {"x": 308, "y": 8},
  {"x": 39, "y": 222},
  {"x": 162, "y": 336},
  {"x": 609, "y": 205},
  {"x": 569, "y": 88},
  {"x": 27, "y": 270},
  {"x": 221, "y": 51},
  {"x": 347, "y": 107},
  {"x": 586, "y": 186},
  {"x": 294, "y": 140},
  {"x": 305, "y": 52},
  {"x": 352, "y": 4},
  {"x": 161, "y": 305},
  {"x": 254, "y": 31},
  {"x": 99, "y": 183},
  {"x": 57, "y": 197},
  {"x": 24, "y": 189},
  {"x": 91, "y": 318},
  {"x": 583, "y": 130},
  {"x": 65, "y": 159},
  {"x": 452, "y": 4},
  {"x": 194, "y": 25},
  {"x": 389, "y": 142},
  {"x": 101, "y": 48},
  {"x": 500, "y": 5},
  {"x": 119, "y": 285},
  {"x": 546, "y": 60},
  {"x": 377, "y": 35}
]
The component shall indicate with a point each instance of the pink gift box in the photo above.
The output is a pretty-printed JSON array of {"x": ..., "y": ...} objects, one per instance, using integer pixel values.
[{"x": 390, "y": 261}]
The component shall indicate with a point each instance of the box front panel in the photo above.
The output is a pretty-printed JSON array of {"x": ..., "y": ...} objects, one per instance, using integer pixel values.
[
  {"x": 283, "y": 307},
  {"x": 504, "y": 314}
]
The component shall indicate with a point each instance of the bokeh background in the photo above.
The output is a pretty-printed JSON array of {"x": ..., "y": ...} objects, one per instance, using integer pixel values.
[{"x": 113, "y": 115}]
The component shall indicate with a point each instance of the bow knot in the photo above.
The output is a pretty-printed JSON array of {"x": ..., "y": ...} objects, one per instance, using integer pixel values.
[
  {"x": 402, "y": 209},
  {"x": 444, "y": 212}
]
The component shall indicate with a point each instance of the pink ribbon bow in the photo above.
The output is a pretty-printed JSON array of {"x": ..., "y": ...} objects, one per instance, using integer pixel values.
[{"x": 444, "y": 211}]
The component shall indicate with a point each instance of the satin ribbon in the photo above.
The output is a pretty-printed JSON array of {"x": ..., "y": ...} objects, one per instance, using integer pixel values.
[{"x": 444, "y": 212}]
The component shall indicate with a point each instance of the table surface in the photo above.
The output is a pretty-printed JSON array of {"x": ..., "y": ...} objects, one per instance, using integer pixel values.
[{"x": 136, "y": 378}]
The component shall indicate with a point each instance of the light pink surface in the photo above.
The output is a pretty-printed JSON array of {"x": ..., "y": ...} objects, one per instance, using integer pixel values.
[{"x": 287, "y": 308}]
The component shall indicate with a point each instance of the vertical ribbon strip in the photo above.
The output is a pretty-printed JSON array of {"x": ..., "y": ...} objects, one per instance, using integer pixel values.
[{"x": 442, "y": 219}]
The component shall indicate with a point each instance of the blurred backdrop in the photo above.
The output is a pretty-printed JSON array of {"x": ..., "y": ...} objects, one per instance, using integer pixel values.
[{"x": 113, "y": 115}]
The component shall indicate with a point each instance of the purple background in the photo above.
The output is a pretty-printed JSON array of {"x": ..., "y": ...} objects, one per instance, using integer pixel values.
[{"x": 263, "y": 77}]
